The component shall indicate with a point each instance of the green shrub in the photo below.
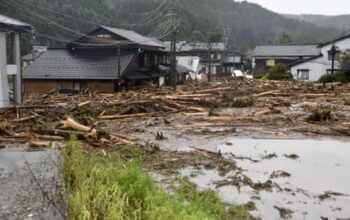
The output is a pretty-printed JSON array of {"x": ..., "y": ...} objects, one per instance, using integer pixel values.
[
  {"x": 329, "y": 78},
  {"x": 279, "y": 72},
  {"x": 344, "y": 73},
  {"x": 259, "y": 75}
]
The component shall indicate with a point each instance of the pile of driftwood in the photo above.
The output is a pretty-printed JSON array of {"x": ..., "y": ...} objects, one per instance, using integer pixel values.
[{"x": 55, "y": 116}]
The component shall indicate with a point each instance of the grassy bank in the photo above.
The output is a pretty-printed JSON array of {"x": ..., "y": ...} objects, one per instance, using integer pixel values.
[{"x": 96, "y": 188}]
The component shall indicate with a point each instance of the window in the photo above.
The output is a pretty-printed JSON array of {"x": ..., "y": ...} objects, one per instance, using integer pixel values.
[
  {"x": 190, "y": 62},
  {"x": 76, "y": 86},
  {"x": 156, "y": 59},
  {"x": 104, "y": 36},
  {"x": 60, "y": 85},
  {"x": 146, "y": 60},
  {"x": 303, "y": 74},
  {"x": 336, "y": 57}
]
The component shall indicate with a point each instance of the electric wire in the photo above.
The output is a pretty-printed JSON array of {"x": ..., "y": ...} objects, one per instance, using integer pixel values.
[{"x": 37, "y": 6}]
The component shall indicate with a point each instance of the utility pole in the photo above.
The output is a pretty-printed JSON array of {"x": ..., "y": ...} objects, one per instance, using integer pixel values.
[
  {"x": 173, "y": 46},
  {"x": 225, "y": 41},
  {"x": 333, "y": 52},
  {"x": 209, "y": 61},
  {"x": 119, "y": 70}
]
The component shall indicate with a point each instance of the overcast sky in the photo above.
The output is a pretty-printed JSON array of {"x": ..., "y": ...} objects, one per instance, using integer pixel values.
[{"x": 329, "y": 7}]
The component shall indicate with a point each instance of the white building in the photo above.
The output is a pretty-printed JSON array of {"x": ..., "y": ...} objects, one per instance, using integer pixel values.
[
  {"x": 10, "y": 29},
  {"x": 313, "y": 68},
  {"x": 191, "y": 63}
]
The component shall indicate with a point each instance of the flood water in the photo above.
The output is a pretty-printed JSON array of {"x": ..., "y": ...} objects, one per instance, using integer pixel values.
[{"x": 318, "y": 166}]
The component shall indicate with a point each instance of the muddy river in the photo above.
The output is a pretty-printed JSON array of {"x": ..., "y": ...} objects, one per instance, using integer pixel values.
[
  {"x": 310, "y": 178},
  {"x": 313, "y": 168}
]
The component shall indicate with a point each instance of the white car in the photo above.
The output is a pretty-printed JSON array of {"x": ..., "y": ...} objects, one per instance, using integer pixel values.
[{"x": 240, "y": 74}]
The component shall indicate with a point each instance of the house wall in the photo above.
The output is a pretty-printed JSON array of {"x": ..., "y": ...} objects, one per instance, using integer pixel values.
[
  {"x": 192, "y": 63},
  {"x": 262, "y": 65},
  {"x": 101, "y": 86},
  {"x": 45, "y": 86},
  {"x": 315, "y": 67},
  {"x": 39, "y": 86},
  {"x": 320, "y": 66}
]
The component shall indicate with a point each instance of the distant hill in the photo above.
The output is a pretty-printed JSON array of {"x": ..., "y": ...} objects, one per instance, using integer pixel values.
[
  {"x": 247, "y": 24},
  {"x": 338, "y": 21}
]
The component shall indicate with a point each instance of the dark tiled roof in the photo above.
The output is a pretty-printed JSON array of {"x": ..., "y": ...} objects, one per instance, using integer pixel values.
[
  {"x": 135, "y": 37},
  {"x": 8, "y": 23},
  {"x": 334, "y": 41},
  {"x": 286, "y": 51},
  {"x": 81, "y": 64}
]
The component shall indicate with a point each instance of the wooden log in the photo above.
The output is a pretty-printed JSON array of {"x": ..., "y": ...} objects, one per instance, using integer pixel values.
[
  {"x": 197, "y": 114},
  {"x": 49, "y": 137},
  {"x": 65, "y": 134},
  {"x": 266, "y": 93},
  {"x": 27, "y": 118},
  {"x": 83, "y": 103},
  {"x": 70, "y": 123},
  {"x": 39, "y": 144},
  {"x": 116, "y": 117},
  {"x": 216, "y": 90},
  {"x": 197, "y": 109},
  {"x": 263, "y": 112}
]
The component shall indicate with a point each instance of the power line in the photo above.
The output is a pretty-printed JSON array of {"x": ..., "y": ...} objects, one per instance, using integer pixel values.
[
  {"x": 167, "y": 33},
  {"x": 164, "y": 26},
  {"x": 107, "y": 42},
  {"x": 37, "y": 6},
  {"x": 152, "y": 11},
  {"x": 25, "y": 10},
  {"x": 152, "y": 19}
]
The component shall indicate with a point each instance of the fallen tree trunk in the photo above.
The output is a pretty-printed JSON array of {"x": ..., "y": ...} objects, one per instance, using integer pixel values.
[
  {"x": 116, "y": 117},
  {"x": 39, "y": 144},
  {"x": 70, "y": 123},
  {"x": 266, "y": 93}
]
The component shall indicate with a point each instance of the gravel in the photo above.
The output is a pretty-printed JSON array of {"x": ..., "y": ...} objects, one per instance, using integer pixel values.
[{"x": 24, "y": 179}]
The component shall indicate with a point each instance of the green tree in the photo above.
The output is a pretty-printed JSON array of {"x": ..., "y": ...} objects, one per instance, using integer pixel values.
[
  {"x": 279, "y": 72},
  {"x": 285, "y": 38},
  {"x": 345, "y": 68}
]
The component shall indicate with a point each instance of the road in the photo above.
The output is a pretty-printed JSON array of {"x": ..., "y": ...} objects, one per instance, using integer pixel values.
[{"x": 28, "y": 183}]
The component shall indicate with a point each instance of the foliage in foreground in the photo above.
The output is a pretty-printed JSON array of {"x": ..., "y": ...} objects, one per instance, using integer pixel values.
[
  {"x": 340, "y": 76},
  {"x": 279, "y": 72},
  {"x": 329, "y": 78},
  {"x": 96, "y": 188},
  {"x": 345, "y": 68}
]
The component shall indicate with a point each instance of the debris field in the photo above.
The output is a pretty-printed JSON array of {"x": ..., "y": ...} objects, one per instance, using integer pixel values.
[{"x": 308, "y": 108}]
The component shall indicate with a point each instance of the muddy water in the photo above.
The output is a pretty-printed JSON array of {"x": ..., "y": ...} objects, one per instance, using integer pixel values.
[{"x": 320, "y": 166}]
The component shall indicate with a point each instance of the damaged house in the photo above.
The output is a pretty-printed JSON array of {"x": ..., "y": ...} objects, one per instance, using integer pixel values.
[
  {"x": 104, "y": 60},
  {"x": 202, "y": 50}
]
